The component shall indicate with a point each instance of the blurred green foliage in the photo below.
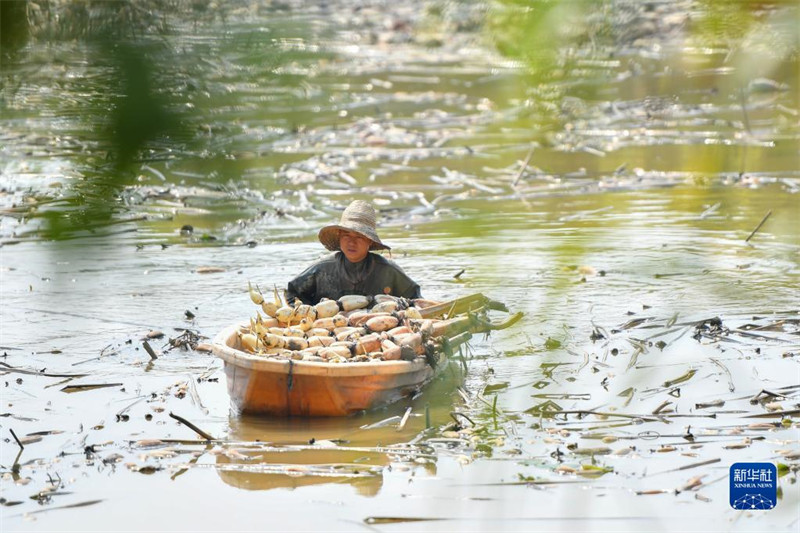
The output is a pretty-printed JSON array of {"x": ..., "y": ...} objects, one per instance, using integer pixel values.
[
  {"x": 129, "y": 110},
  {"x": 537, "y": 31},
  {"x": 14, "y": 31},
  {"x": 140, "y": 113}
]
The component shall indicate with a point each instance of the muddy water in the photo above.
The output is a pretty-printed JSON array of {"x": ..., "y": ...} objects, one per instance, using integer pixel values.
[{"x": 626, "y": 230}]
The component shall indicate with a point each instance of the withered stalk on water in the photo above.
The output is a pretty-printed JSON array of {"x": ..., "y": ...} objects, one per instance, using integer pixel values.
[
  {"x": 403, "y": 421},
  {"x": 192, "y": 426},
  {"x": 661, "y": 407},
  {"x": 9, "y": 368},
  {"x": 731, "y": 386},
  {"x": 689, "y": 466},
  {"x": 21, "y": 447},
  {"x": 791, "y": 412},
  {"x": 89, "y": 386},
  {"x": 524, "y": 166},
  {"x": 759, "y": 226},
  {"x": 149, "y": 350},
  {"x": 70, "y": 506}
]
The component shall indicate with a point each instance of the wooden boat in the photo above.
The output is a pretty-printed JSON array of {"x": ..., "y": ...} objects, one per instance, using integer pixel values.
[
  {"x": 283, "y": 387},
  {"x": 279, "y": 387}
]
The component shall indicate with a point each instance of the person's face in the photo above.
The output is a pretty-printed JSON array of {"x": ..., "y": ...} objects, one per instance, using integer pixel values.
[{"x": 354, "y": 246}]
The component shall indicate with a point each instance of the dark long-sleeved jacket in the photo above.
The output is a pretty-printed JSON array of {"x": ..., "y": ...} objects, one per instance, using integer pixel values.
[{"x": 334, "y": 276}]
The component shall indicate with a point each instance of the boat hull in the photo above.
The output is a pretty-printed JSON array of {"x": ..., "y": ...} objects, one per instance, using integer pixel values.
[{"x": 278, "y": 387}]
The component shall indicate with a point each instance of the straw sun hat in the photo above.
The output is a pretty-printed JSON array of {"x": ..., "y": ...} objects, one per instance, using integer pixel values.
[{"x": 359, "y": 217}]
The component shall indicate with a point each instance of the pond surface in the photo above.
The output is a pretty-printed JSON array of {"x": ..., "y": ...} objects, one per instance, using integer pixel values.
[{"x": 614, "y": 204}]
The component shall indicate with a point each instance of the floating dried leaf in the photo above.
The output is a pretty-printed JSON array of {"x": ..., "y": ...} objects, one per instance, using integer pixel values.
[
  {"x": 208, "y": 270},
  {"x": 739, "y": 445},
  {"x": 693, "y": 483},
  {"x": 601, "y": 450},
  {"x": 148, "y": 443},
  {"x": 681, "y": 379}
]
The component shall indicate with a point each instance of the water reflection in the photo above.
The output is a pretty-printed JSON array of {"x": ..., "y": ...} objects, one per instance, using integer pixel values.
[
  {"x": 253, "y": 467},
  {"x": 272, "y": 452}
]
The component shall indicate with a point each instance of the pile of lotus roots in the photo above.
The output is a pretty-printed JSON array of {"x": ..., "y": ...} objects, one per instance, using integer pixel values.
[{"x": 354, "y": 328}]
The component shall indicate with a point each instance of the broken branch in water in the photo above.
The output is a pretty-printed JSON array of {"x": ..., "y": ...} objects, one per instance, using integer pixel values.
[
  {"x": 9, "y": 368},
  {"x": 743, "y": 103},
  {"x": 524, "y": 166},
  {"x": 759, "y": 226},
  {"x": 485, "y": 325},
  {"x": 397, "y": 519},
  {"x": 70, "y": 506},
  {"x": 763, "y": 393},
  {"x": 149, "y": 350},
  {"x": 731, "y": 387},
  {"x": 685, "y": 377},
  {"x": 689, "y": 466},
  {"x": 605, "y": 414},
  {"x": 192, "y": 426},
  {"x": 403, "y": 421},
  {"x": 21, "y": 447},
  {"x": 91, "y": 386},
  {"x": 790, "y": 412},
  {"x": 453, "y": 416},
  {"x": 661, "y": 407}
]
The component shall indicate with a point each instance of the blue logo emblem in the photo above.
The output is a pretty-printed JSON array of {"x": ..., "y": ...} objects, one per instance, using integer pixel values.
[{"x": 753, "y": 486}]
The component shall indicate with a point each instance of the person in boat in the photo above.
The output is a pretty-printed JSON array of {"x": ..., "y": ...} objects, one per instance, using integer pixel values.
[{"x": 353, "y": 268}]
